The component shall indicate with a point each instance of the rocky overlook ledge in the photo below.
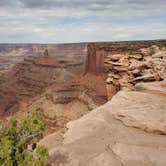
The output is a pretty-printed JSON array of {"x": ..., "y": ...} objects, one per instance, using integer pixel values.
[{"x": 128, "y": 130}]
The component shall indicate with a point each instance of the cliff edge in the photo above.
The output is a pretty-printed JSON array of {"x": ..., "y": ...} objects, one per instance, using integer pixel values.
[{"x": 128, "y": 130}]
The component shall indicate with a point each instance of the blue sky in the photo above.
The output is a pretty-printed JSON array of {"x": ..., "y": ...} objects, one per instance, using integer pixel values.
[{"x": 66, "y": 21}]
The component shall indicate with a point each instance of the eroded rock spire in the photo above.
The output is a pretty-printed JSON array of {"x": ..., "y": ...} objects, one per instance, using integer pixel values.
[{"x": 46, "y": 53}]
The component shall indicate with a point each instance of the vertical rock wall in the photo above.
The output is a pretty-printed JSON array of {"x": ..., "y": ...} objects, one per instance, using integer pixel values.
[{"x": 95, "y": 59}]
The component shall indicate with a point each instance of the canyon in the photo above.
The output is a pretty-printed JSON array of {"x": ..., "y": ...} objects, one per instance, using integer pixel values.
[
  {"x": 52, "y": 81},
  {"x": 102, "y": 102}
]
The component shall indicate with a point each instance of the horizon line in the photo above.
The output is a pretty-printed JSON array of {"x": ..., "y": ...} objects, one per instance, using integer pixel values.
[{"x": 111, "y": 41}]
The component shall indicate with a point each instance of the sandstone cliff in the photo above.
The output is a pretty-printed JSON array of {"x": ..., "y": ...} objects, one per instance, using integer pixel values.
[{"x": 97, "y": 52}]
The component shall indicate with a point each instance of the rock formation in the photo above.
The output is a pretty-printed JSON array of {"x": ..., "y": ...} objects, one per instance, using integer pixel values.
[
  {"x": 126, "y": 63},
  {"x": 95, "y": 59},
  {"x": 46, "y": 53},
  {"x": 97, "y": 52},
  {"x": 128, "y": 130},
  {"x": 125, "y": 70}
]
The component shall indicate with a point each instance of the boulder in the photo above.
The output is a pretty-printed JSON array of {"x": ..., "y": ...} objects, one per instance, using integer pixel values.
[
  {"x": 136, "y": 56},
  {"x": 109, "y": 80},
  {"x": 112, "y": 75},
  {"x": 145, "y": 51},
  {"x": 115, "y": 57},
  {"x": 148, "y": 77},
  {"x": 140, "y": 65},
  {"x": 120, "y": 68},
  {"x": 136, "y": 72},
  {"x": 155, "y": 48},
  {"x": 119, "y": 64},
  {"x": 159, "y": 54},
  {"x": 124, "y": 81},
  {"x": 124, "y": 59},
  {"x": 134, "y": 64}
]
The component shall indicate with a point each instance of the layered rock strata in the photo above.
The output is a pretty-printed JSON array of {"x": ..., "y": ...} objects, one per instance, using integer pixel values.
[
  {"x": 97, "y": 52},
  {"x": 11, "y": 54},
  {"x": 125, "y": 70},
  {"x": 52, "y": 84},
  {"x": 30, "y": 77}
]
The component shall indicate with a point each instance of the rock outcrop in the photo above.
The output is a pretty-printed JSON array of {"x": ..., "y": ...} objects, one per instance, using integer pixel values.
[
  {"x": 125, "y": 70},
  {"x": 127, "y": 63},
  {"x": 128, "y": 130},
  {"x": 97, "y": 52},
  {"x": 95, "y": 59}
]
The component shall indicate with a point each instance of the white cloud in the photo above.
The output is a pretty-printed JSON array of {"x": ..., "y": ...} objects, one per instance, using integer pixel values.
[
  {"x": 42, "y": 21},
  {"x": 87, "y": 32}
]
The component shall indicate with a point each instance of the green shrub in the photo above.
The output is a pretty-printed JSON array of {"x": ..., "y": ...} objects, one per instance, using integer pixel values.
[
  {"x": 138, "y": 88},
  {"x": 163, "y": 45},
  {"x": 131, "y": 52},
  {"x": 152, "y": 51},
  {"x": 21, "y": 131}
]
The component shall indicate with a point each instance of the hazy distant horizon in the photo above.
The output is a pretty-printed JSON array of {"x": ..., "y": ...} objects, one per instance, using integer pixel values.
[
  {"x": 86, "y": 42},
  {"x": 80, "y": 21}
]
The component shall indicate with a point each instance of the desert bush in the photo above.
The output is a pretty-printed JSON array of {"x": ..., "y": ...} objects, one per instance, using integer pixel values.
[
  {"x": 152, "y": 51},
  {"x": 20, "y": 131},
  {"x": 138, "y": 88},
  {"x": 131, "y": 52},
  {"x": 163, "y": 45}
]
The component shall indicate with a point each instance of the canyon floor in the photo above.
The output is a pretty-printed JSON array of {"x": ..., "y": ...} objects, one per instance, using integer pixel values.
[{"x": 103, "y": 103}]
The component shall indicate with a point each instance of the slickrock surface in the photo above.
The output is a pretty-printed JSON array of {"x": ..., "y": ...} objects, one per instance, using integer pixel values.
[{"x": 128, "y": 130}]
